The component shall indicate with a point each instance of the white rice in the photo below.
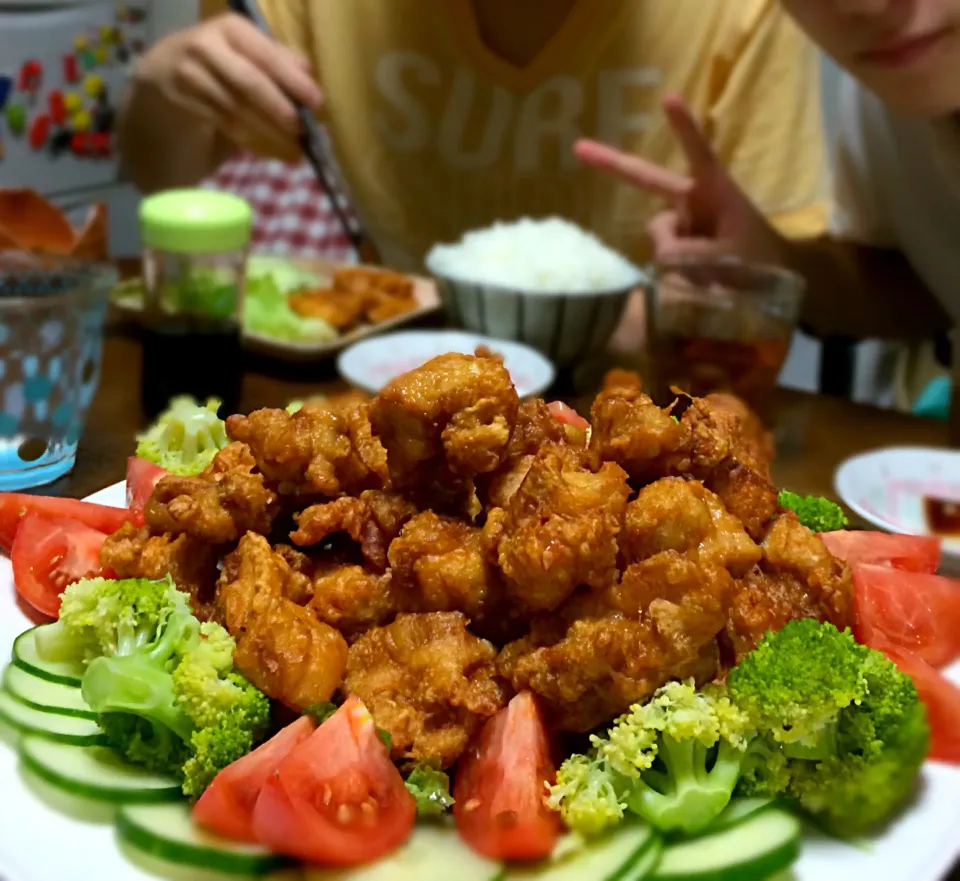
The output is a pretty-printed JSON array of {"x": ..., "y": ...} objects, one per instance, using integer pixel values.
[{"x": 549, "y": 255}]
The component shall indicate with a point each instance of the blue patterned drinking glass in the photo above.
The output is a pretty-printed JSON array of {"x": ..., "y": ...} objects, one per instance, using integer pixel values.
[{"x": 52, "y": 313}]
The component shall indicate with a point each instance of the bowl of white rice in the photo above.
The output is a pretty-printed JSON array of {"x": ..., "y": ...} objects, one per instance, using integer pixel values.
[{"x": 544, "y": 282}]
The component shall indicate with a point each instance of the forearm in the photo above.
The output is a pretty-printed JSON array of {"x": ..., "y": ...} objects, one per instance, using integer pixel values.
[
  {"x": 862, "y": 291},
  {"x": 164, "y": 146}
]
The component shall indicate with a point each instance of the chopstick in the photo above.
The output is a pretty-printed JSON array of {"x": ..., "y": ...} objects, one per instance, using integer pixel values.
[{"x": 310, "y": 137}]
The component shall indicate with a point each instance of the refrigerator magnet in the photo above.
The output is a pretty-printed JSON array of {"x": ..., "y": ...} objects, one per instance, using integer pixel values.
[
  {"x": 59, "y": 142},
  {"x": 57, "y": 107},
  {"x": 39, "y": 131},
  {"x": 6, "y": 87},
  {"x": 81, "y": 121},
  {"x": 71, "y": 68},
  {"x": 16, "y": 115},
  {"x": 31, "y": 76},
  {"x": 73, "y": 102}
]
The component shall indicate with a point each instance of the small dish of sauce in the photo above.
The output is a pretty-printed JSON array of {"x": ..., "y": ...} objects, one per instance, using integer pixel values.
[{"x": 942, "y": 516}]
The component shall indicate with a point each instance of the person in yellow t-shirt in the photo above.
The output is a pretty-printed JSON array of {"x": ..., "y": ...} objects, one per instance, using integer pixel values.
[{"x": 447, "y": 115}]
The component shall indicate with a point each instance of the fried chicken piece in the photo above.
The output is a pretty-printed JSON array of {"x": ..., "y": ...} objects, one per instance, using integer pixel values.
[
  {"x": 536, "y": 428},
  {"x": 217, "y": 506},
  {"x": 605, "y": 650},
  {"x": 373, "y": 520},
  {"x": 622, "y": 381},
  {"x": 135, "y": 553},
  {"x": 338, "y": 309},
  {"x": 452, "y": 416},
  {"x": 281, "y": 646},
  {"x": 352, "y": 599},
  {"x": 440, "y": 564},
  {"x": 559, "y": 530},
  {"x": 680, "y": 515},
  {"x": 628, "y": 428},
  {"x": 797, "y": 578},
  {"x": 365, "y": 282},
  {"x": 754, "y": 436},
  {"x": 729, "y": 462},
  {"x": 317, "y": 450},
  {"x": 428, "y": 682},
  {"x": 382, "y": 307}
]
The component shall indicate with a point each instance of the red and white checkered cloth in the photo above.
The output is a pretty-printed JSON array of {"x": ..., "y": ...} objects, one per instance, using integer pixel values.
[{"x": 292, "y": 212}]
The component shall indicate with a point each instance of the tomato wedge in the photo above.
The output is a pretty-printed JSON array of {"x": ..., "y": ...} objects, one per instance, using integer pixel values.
[
  {"x": 567, "y": 415},
  {"x": 142, "y": 477},
  {"x": 14, "y": 506},
  {"x": 941, "y": 698},
  {"x": 501, "y": 786},
  {"x": 337, "y": 799},
  {"x": 51, "y": 552},
  {"x": 227, "y": 805},
  {"x": 911, "y": 611},
  {"x": 912, "y": 553}
]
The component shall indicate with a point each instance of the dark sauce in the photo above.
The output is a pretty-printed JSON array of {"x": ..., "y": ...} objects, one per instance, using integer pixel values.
[
  {"x": 194, "y": 356},
  {"x": 943, "y": 517}
]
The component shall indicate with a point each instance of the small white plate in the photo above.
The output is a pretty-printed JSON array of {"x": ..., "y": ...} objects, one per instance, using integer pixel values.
[
  {"x": 371, "y": 364},
  {"x": 887, "y": 488}
]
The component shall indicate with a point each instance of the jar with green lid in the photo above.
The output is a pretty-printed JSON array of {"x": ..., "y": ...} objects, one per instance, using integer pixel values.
[{"x": 195, "y": 249}]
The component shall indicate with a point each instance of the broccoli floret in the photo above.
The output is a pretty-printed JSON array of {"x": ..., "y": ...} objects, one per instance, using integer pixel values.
[
  {"x": 815, "y": 512},
  {"x": 588, "y": 794},
  {"x": 99, "y": 617},
  {"x": 851, "y": 728},
  {"x": 430, "y": 789},
  {"x": 674, "y": 761},
  {"x": 176, "y": 704},
  {"x": 185, "y": 438}
]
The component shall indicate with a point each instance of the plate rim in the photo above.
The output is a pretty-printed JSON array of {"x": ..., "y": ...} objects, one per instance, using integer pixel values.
[
  {"x": 841, "y": 477},
  {"x": 349, "y": 376}
]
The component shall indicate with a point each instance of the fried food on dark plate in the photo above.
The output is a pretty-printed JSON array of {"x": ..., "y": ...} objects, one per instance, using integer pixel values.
[
  {"x": 317, "y": 450},
  {"x": 428, "y": 682},
  {"x": 282, "y": 648},
  {"x": 218, "y": 506}
]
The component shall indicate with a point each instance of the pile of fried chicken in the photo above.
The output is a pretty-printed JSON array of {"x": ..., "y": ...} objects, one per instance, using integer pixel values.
[
  {"x": 444, "y": 545},
  {"x": 358, "y": 294}
]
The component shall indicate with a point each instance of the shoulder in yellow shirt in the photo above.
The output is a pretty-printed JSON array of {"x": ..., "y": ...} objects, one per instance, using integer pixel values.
[{"x": 446, "y": 116}]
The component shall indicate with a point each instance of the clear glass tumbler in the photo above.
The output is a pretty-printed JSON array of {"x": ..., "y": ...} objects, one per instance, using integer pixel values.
[
  {"x": 52, "y": 312},
  {"x": 719, "y": 324}
]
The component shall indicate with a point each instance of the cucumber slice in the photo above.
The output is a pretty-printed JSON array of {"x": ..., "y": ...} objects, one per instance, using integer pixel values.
[
  {"x": 432, "y": 851},
  {"x": 95, "y": 772},
  {"x": 45, "y": 696},
  {"x": 77, "y": 807},
  {"x": 613, "y": 857},
  {"x": 25, "y": 656},
  {"x": 161, "y": 868},
  {"x": 753, "y": 850},
  {"x": 168, "y": 832},
  {"x": 735, "y": 813},
  {"x": 648, "y": 862},
  {"x": 52, "y": 726}
]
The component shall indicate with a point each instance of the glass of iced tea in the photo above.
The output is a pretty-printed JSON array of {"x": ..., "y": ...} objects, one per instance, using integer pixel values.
[{"x": 720, "y": 324}]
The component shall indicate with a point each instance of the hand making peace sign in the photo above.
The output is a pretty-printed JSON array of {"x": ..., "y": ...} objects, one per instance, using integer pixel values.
[{"x": 708, "y": 213}]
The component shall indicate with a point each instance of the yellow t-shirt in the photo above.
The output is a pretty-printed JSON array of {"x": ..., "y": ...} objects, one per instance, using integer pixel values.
[{"x": 446, "y": 115}]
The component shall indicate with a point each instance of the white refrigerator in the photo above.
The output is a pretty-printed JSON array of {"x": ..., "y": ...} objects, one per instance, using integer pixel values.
[{"x": 63, "y": 70}]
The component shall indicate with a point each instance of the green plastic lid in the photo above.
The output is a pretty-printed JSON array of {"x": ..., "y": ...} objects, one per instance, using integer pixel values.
[{"x": 195, "y": 222}]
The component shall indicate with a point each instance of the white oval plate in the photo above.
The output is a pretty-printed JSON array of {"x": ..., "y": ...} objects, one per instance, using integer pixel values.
[
  {"x": 371, "y": 364},
  {"x": 39, "y": 844},
  {"x": 887, "y": 488}
]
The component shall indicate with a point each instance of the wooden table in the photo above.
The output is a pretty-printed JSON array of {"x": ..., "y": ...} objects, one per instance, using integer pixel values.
[{"x": 814, "y": 433}]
